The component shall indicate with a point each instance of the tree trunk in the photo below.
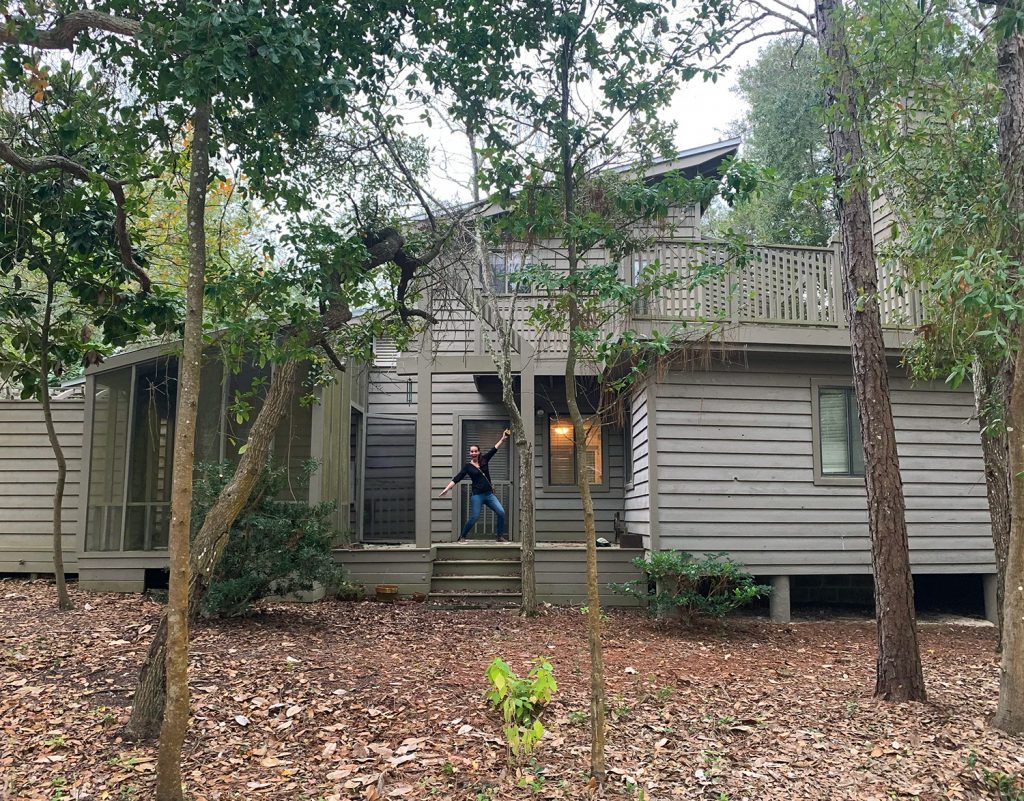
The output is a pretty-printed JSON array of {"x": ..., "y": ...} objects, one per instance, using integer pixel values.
[
  {"x": 898, "y": 669},
  {"x": 502, "y": 356},
  {"x": 1010, "y": 65},
  {"x": 176, "y": 708},
  {"x": 991, "y": 388},
  {"x": 210, "y": 542},
  {"x": 597, "y": 711},
  {"x": 63, "y": 599}
]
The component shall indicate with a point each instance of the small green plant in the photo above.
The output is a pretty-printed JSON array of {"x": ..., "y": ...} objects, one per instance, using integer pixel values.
[
  {"x": 521, "y": 701},
  {"x": 709, "y": 587},
  {"x": 577, "y": 718},
  {"x": 55, "y": 741},
  {"x": 1009, "y": 786},
  {"x": 58, "y": 783},
  {"x": 534, "y": 778}
]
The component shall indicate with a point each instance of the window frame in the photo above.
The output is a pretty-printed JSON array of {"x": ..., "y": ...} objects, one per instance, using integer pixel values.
[
  {"x": 830, "y": 479},
  {"x": 627, "y": 444},
  {"x": 605, "y": 484},
  {"x": 501, "y": 282}
]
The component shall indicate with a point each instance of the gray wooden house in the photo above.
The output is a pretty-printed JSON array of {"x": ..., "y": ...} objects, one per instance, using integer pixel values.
[{"x": 755, "y": 452}]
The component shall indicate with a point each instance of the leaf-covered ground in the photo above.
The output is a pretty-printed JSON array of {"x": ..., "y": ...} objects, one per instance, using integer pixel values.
[{"x": 365, "y": 701}]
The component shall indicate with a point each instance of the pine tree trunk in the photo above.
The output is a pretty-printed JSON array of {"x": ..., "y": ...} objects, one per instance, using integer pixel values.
[
  {"x": 991, "y": 388},
  {"x": 176, "y": 707},
  {"x": 210, "y": 542},
  {"x": 1010, "y": 65},
  {"x": 63, "y": 599},
  {"x": 898, "y": 669}
]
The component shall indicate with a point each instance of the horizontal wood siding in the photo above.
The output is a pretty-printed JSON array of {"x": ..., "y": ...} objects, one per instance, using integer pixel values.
[
  {"x": 736, "y": 473},
  {"x": 409, "y": 568},
  {"x": 27, "y": 475},
  {"x": 562, "y": 574},
  {"x": 637, "y": 496},
  {"x": 560, "y": 510}
]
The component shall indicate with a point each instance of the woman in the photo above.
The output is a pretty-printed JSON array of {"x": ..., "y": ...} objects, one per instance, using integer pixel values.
[{"x": 476, "y": 470}]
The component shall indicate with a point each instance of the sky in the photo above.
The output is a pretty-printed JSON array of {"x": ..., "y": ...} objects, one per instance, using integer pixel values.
[{"x": 703, "y": 111}]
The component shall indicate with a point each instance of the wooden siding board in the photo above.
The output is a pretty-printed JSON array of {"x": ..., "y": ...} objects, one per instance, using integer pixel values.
[
  {"x": 737, "y": 475},
  {"x": 27, "y": 474}
]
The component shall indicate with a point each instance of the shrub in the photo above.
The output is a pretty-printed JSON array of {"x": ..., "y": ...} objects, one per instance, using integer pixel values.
[
  {"x": 521, "y": 701},
  {"x": 709, "y": 587},
  {"x": 274, "y": 548}
]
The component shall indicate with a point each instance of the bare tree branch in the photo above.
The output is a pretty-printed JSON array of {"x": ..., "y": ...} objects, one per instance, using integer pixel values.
[
  {"x": 73, "y": 168},
  {"x": 62, "y": 35}
]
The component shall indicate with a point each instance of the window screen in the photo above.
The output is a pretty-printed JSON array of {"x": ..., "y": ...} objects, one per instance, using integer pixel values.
[
  {"x": 842, "y": 451},
  {"x": 562, "y": 463}
]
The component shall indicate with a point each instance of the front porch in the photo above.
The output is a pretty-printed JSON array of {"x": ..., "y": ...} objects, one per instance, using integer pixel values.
[{"x": 488, "y": 572}]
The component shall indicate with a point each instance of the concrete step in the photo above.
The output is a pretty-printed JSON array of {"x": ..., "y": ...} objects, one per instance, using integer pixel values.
[
  {"x": 477, "y": 567},
  {"x": 476, "y": 584},
  {"x": 476, "y": 549},
  {"x": 475, "y": 600}
]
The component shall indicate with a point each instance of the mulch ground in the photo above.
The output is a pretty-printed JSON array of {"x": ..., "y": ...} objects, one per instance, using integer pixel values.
[{"x": 365, "y": 701}]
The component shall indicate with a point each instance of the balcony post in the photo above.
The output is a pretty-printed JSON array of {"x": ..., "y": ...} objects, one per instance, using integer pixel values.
[{"x": 838, "y": 295}]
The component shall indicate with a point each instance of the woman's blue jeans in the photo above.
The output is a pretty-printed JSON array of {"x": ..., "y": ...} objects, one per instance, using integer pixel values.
[{"x": 476, "y": 504}]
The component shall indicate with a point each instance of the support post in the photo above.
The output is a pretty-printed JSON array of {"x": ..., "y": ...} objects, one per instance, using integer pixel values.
[
  {"x": 988, "y": 584},
  {"x": 527, "y": 401},
  {"x": 778, "y": 602},
  {"x": 424, "y": 412},
  {"x": 654, "y": 537}
]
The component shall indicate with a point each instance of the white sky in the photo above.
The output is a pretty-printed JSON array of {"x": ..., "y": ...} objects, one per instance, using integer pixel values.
[{"x": 703, "y": 111}]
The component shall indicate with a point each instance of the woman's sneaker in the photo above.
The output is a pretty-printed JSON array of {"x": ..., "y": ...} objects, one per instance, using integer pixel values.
[
  {"x": 462, "y": 540},
  {"x": 501, "y": 538}
]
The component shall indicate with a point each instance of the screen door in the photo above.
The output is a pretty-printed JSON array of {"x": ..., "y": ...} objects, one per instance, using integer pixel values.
[{"x": 483, "y": 434}]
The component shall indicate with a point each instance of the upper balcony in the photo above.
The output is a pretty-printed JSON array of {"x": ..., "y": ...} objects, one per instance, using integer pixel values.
[{"x": 781, "y": 295}]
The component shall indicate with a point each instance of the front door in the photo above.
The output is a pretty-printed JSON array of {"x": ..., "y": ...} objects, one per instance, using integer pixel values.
[{"x": 483, "y": 434}]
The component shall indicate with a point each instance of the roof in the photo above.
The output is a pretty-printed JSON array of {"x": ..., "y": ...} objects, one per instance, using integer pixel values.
[{"x": 693, "y": 161}]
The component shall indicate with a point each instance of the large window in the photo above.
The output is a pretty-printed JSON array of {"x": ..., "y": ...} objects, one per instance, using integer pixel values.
[
  {"x": 840, "y": 449},
  {"x": 562, "y": 453}
]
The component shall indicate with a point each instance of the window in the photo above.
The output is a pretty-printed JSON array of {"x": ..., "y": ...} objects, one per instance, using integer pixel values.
[
  {"x": 627, "y": 442},
  {"x": 562, "y": 454},
  {"x": 504, "y": 266},
  {"x": 385, "y": 353},
  {"x": 840, "y": 449},
  {"x": 642, "y": 305}
]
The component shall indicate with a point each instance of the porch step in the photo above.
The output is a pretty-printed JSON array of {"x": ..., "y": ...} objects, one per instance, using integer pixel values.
[
  {"x": 476, "y": 567},
  {"x": 476, "y": 550},
  {"x": 476, "y": 584},
  {"x": 475, "y": 600}
]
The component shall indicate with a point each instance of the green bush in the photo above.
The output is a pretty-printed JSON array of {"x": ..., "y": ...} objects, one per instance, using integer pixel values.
[
  {"x": 709, "y": 587},
  {"x": 275, "y": 547}
]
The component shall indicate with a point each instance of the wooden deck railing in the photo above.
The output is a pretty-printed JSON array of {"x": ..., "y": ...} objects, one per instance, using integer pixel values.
[{"x": 777, "y": 285}]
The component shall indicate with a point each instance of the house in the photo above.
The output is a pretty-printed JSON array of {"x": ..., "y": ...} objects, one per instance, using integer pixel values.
[{"x": 755, "y": 451}]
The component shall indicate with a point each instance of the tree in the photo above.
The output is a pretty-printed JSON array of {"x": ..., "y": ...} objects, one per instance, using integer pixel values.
[
  {"x": 933, "y": 144},
  {"x": 248, "y": 79},
  {"x": 589, "y": 87},
  {"x": 70, "y": 296},
  {"x": 1010, "y": 69},
  {"x": 783, "y": 132}
]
